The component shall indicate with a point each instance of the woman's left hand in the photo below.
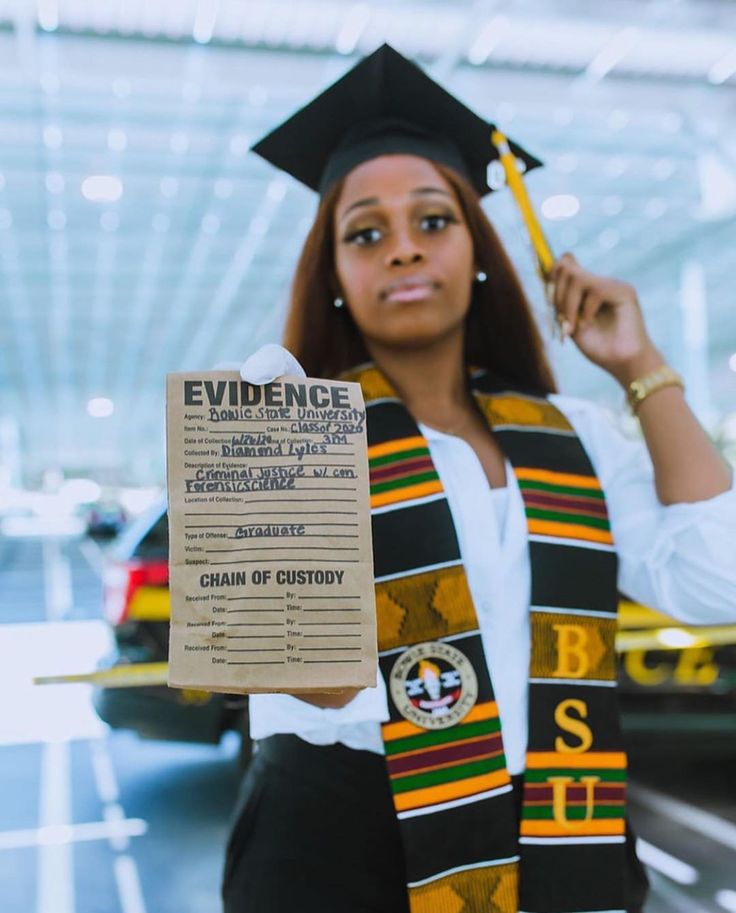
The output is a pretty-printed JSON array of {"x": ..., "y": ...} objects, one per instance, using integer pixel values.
[{"x": 604, "y": 319}]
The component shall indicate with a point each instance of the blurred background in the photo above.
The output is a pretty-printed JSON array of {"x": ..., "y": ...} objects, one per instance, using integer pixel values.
[{"x": 138, "y": 236}]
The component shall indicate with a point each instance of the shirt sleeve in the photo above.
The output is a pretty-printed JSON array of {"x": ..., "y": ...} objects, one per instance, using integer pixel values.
[{"x": 679, "y": 559}]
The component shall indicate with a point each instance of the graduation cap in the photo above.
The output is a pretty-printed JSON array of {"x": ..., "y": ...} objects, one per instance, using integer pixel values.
[{"x": 386, "y": 104}]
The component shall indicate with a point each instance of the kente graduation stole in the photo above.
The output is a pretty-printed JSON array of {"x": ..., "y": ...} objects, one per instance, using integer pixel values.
[{"x": 452, "y": 792}]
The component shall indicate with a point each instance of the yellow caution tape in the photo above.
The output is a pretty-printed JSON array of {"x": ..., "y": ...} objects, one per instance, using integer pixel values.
[
  {"x": 541, "y": 247},
  {"x": 131, "y": 675},
  {"x": 137, "y": 675},
  {"x": 634, "y": 615}
]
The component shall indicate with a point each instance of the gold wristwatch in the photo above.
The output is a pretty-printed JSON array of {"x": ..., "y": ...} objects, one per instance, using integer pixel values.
[{"x": 639, "y": 389}]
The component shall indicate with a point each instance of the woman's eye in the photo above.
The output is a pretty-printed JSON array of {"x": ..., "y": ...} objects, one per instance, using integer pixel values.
[
  {"x": 364, "y": 236},
  {"x": 436, "y": 221}
]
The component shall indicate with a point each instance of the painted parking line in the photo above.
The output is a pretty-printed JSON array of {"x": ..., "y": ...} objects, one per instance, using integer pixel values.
[
  {"x": 727, "y": 900},
  {"x": 57, "y": 834},
  {"x": 676, "y": 899},
  {"x": 57, "y": 578},
  {"x": 690, "y": 816},
  {"x": 55, "y": 860},
  {"x": 129, "y": 885},
  {"x": 668, "y": 865},
  {"x": 126, "y": 871},
  {"x": 93, "y": 555}
]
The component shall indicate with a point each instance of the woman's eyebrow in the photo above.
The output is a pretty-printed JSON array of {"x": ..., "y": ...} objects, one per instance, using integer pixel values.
[
  {"x": 374, "y": 201},
  {"x": 421, "y": 191}
]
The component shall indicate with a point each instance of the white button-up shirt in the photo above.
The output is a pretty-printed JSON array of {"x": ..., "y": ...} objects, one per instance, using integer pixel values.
[{"x": 679, "y": 559}]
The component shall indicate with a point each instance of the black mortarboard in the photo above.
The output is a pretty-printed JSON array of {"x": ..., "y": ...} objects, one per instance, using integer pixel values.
[{"x": 385, "y": 104}]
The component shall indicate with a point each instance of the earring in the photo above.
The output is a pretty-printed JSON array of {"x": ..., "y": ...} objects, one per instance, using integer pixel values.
[
  {"x": 480, "y": 276},
  {"x": 338, "y": 302}
]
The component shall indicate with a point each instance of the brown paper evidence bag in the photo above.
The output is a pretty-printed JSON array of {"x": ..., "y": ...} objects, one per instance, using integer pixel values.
[{"x": 270, "y": 557}]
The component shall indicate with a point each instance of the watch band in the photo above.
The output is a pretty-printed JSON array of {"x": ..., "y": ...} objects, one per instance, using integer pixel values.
[{"x": 639, "y": 389}]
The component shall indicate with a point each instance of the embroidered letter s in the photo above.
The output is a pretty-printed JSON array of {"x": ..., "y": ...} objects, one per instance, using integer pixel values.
[{"x": 574, "y": 726}]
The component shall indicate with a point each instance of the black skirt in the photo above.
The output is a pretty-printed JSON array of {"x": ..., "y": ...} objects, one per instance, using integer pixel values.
[{"x": 315, "y": 832}]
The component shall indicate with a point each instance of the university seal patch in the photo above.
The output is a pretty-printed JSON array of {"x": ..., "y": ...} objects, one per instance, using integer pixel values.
[{"x": 433, "y": 685}]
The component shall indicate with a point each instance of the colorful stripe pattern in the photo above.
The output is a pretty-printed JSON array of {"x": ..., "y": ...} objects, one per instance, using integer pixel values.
[
  {"x": 424, "y": 607},
  {"x": 571, "y": 795},
  {"x": 478, "y": 890},
  {"x": 429, "y": 767},
  {"x": 527, "y": 412},
  {"x": 564, "y": 505},
  {"x": 449, "y": 784},
  {"x": 401, "y": 471}
]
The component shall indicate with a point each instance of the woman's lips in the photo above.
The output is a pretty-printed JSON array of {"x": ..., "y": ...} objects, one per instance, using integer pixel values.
[
  {"x": 412, "y": 290},
  {"x": 413, "y": 293}
]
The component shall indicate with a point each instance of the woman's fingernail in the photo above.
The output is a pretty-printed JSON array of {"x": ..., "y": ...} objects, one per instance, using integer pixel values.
[{"x": 565, "y": 328}]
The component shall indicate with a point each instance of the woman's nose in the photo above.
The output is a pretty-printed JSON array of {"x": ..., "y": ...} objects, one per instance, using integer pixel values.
[{"x": 404, "y": 251}]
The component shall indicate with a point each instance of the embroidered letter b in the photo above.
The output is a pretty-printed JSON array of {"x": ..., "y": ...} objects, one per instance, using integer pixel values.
[{"x": 573, "y": 660}]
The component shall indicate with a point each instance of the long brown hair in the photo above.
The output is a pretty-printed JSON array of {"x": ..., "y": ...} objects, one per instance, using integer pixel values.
[{"x": 500, "y": 332}]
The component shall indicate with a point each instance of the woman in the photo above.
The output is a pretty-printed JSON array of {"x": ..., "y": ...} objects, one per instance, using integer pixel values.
[{"x": 496, "y": 586}]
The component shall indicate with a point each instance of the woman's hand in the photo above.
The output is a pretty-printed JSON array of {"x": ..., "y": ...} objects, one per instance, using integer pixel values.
[
  {"x": 604, "y": 319},
  {"x": 265, "y": 365}
]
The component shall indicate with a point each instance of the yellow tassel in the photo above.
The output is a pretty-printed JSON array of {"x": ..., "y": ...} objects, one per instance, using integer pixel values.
[{"x": 542, "y": 250}]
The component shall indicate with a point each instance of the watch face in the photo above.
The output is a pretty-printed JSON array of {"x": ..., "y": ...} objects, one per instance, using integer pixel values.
[{"x": 433, "y": 685}]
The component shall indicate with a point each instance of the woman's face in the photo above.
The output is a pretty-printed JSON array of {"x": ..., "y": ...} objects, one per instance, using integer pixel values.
[{"x": 403, "y": 252}]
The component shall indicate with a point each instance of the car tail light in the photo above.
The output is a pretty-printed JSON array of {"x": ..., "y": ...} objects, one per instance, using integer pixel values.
[{"x": 122, "y": 580}]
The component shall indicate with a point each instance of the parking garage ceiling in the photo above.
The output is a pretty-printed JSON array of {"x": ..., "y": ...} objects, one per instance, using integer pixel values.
[{"x": 139, "y": 236}]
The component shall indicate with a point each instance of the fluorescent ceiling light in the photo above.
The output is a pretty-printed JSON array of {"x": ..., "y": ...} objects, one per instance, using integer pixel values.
[
  {"x": 489, "y": 37},
  {"x": 52, "y": 137},
  {"x": 561, "y": 206},
  {"x": 117, "y": 140},
  {"x": 717, "y": 188},
  {"x": 612, "y": 53},
  {"x": 100, "y": 407},
  {"x": 102, "y": 188},
  {"x": 56, "y": 220},
  {"x": 55, "y": 182},
  {"x": 723, "y": 69},
  {"x": 352, "y": 28},
  {"x": 48, "y": 15},
  {"x": 204, "y": 21}
]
